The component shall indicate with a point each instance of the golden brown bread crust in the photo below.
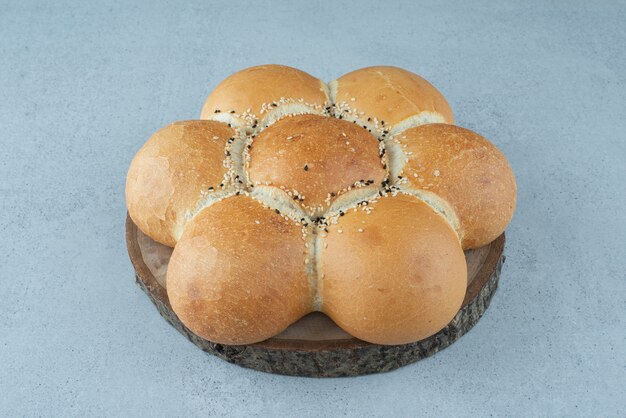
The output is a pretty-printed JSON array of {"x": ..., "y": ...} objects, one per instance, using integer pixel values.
[
  {"x": 390, "y": 95},
  {"x": 169, "y": 173},
  {"x": 246, "y": 97},
  {"x": 237, "y": 275},
  {"x": 315, "y": 158},
  {"x": 391, "y": 272},
  {"x": 467, "y": 171},
  {"x": 392, "y": 276}
]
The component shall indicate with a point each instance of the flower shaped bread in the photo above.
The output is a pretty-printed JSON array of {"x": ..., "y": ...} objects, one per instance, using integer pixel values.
[{"x": 289, "y": 196}]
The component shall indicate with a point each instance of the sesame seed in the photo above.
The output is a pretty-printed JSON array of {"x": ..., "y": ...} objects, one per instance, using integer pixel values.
[{"x": 360, "y": 230}]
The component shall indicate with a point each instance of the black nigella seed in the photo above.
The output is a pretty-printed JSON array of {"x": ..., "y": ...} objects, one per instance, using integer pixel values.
[
  {"x": 228, "y": 153},
  {"x": 333, "y": 194},
  {"x": 210, "y": 187},
  {"x": 306, "y": 167},
  {"x": 237, "y": 194},
  {"x": 382, "y": 122},
  {"x": 277, "y": 211},
  {"x": 232, "y": 111},
  {"x": 385, "y": 166},
  {"x": 217, "y": 111},
  {"x": 369, "y": 119},
  {"x": 254, "y": 126},
  {"x": 221, "y": 184}
]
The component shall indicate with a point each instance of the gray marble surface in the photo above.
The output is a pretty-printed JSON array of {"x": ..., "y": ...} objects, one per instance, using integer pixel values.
[{"x": 82, "y": 86}]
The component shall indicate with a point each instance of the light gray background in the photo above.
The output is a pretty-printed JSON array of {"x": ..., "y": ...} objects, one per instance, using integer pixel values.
[{"x": 82, "y": 86}]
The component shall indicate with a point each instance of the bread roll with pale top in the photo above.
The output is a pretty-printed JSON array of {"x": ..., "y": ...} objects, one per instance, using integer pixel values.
[{"x": 289, "y": 197}]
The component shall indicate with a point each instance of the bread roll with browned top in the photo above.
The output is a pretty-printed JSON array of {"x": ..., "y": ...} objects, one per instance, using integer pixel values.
[
  {"x": 293, "y": 199},
  {"x": 239, "y": 237},
  {"x": 258, "y": 96},
  {"x": 375, "y": 264},
  {"x": 169, "y": 173},
  {"x": 388, "y": 99},
  {"x": 315, "y": 159},
  {"x": 464, "y": 170}
]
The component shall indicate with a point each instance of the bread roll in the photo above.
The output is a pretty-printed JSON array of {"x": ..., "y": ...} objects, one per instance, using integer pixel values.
[
  {"x": 392, "y": 274},
  {"x": 463, "y": 169},
  {"x": 315, "y": 158},
  {"x": 292, "y": 210},
  {"x": 238, "y": 274},
  {"x": 258, "y": 96},
  {"x": 171, "y": 173},
  {"x": 388, "y": 99}
]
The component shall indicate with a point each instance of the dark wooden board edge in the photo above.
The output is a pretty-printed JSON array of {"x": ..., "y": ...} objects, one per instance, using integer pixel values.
[{"x": 330, "y": 358}]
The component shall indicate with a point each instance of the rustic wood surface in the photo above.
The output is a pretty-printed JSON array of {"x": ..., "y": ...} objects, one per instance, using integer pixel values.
[{"x": 315, "y": 346}]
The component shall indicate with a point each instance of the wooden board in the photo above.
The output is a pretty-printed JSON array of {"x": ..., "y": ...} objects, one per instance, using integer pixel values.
[{"x": 315, "y": 346}]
